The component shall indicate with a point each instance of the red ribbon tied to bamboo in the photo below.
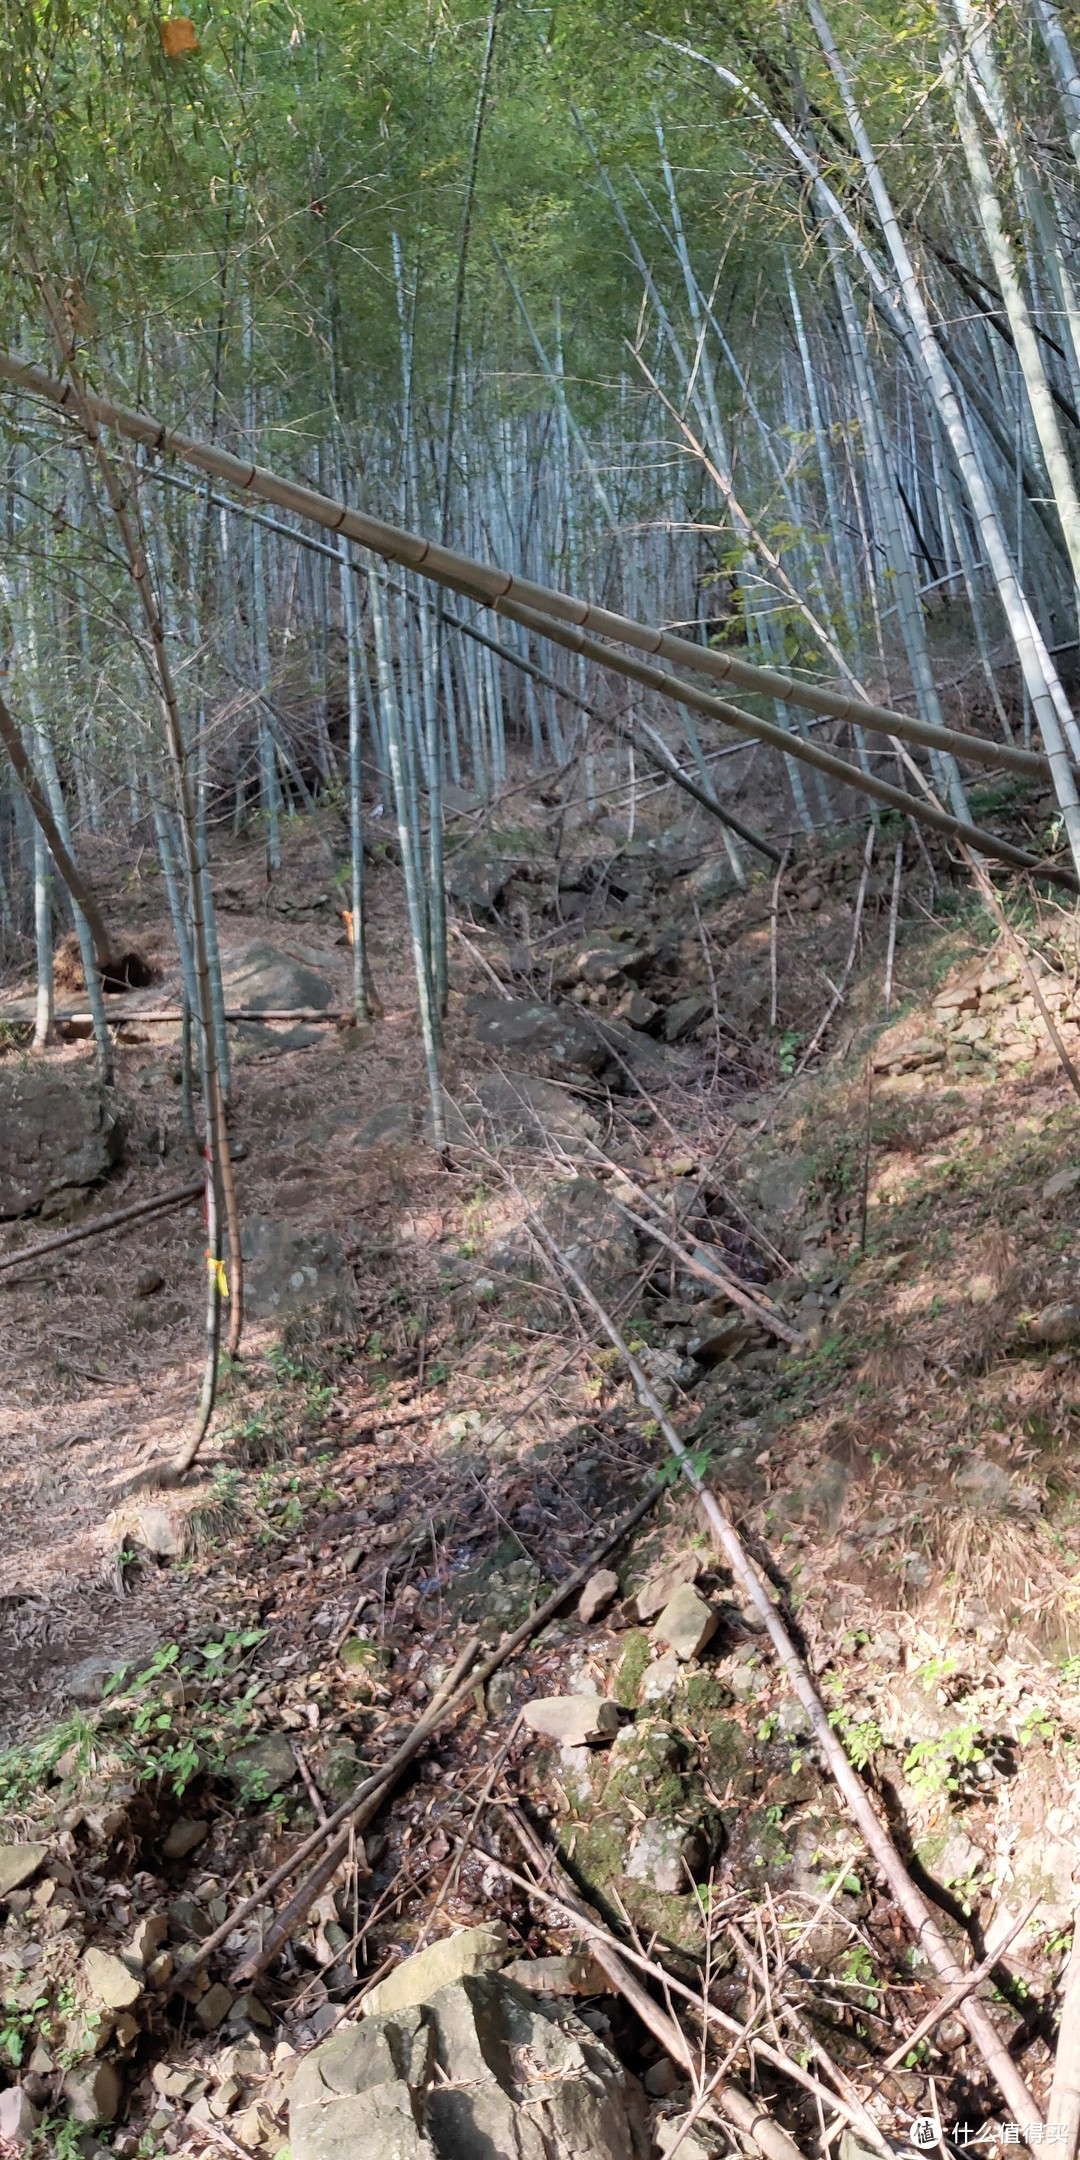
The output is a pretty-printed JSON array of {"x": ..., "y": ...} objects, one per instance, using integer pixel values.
[{"x": 177, "y": 36}]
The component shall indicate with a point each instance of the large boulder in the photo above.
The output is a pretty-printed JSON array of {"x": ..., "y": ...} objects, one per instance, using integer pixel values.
[
  {"x": 265, "y": 979},
  {"x": 57, "y": 1135},
  {"x": 287, "y": 1269},
  {"x": 562, "y": 1037},
  {"x": 481, "y": 2068}
]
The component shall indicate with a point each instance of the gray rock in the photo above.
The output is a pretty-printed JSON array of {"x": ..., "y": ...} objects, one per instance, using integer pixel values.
[
  {"x": 573, "y": 1720},
  {"x": 287, "y": 1269},
  {"x": 18, "y": 1863},
  {"x": 262, "y": 1767},
  {"x": 483, "y": 2069},
  {"x": 659, "y": 1587},
  {"x": 577, "y": 1974},
  {"x": 1055, "y": 1326},
  {"x": 661, "y": 1678},
  {"x": 724, "y": 1338},
  {"x": 87, "y": 1681},
  {"x": 157, "y": 1533},
  {"x": 566, "y": 1040},
  {"x": 597, "y": 1595},
  {"x": 594, "y": 1234},
  {"x": 265, "y": 979},
  {"x": 684, "y": 1016},
  {"x": 108, "y": 1980},
  {"x": 687, "y": 1623},
  {"x": 669, "y": 1857},
  {"x": 213, "y": 2008},
  {"x": 1062, "y": 1182},
  {"x": 395, "y": 1121},
  {"x": 518, "y": 1105},
  {"x": 182, "y": 1837},
  {"x": 18, "y": 2118},
  {"x": 476, "y": 878},
  {"x": 57, "y": 1135},
  {"x": 454, "y": 1957},
  {"x": 784, "y": 1182},
  {"x": 93, "y": 2093}
]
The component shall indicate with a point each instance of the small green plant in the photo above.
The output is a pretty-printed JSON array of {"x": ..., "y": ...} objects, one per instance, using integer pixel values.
[
  {"x": 16, "y": 2026},
  {"x": 936, "y": 1767}
]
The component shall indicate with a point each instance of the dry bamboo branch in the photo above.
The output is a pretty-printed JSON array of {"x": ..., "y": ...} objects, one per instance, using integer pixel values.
[
  {"x": 1065, "y": 2090},
  {"x": 489, "y": 585},
  {"x": 115, "y": 1221},
  {"x": 80, "y": 893},
  {"x": 909, "y": 1897},
  {"x": 753, "y": 2121},
  {"x": 954, "y": 1996},
  {"x": 704, "y": 2009},
  {"x": 426, "y": 1725},
  {"x": 718, "y": 1276}
]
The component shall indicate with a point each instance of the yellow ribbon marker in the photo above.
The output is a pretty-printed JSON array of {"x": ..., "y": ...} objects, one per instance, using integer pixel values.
[{"x": 217, "y": 1270}]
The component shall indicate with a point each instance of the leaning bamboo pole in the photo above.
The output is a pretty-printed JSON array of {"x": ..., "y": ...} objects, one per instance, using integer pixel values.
[
  {"x": 561, "y": 618},
  {"x": 487, "y": 583}
]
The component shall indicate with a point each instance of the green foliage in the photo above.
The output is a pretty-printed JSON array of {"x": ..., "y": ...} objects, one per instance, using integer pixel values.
[{"x": 943, "y": 1765}]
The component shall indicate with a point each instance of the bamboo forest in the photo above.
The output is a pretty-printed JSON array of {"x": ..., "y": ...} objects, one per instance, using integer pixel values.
[{"x": 539, "y": 1079}]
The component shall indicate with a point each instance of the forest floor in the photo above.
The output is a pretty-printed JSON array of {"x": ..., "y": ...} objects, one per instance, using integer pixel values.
[{"x": 425, "y": 1434}]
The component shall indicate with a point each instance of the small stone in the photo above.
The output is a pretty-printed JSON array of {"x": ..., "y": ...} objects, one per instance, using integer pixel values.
[
  {"x": 256, "y": 2127},
  {"x": 1062, "y": 1182},
  {"x": 471, "y": 1950},
  {"x": 213, "y": 2007},
  {"x": 573, "y": 1720},
  {"x": 686, "y": 1014},
  {"x": 249, "y": 2009},
  {"x": 662, "y": 2078},
  {"x": 670, "y": 2134},
  {"x": 669, "y": 1857},
  {"x": 147, "y": 1281},
  {"x": 660, "y": 1587},
  {"x": 93, "y": 2093},
  {"x": 171, "y": 2082},
  {"x": 262, "y": 1767},
  {"x": 661, "y": 1678},
  {"x": 158, "y": 1534},
  {"x": 18, "y": 2118},
  {"x": 17, "y": 1864},
  {"x": 1055, "y": 1325},
  {"x": 724, "y": 1338},
  {"x": 87, "y": 1681},
  {"x": 182, "y": 1837},
  {"x": 224, "y": 2097},
  {"x": 577, "y": 1974},
  {"x": 109, "y": 1981},
  {"x": 597, "y": 1595},
  {"x": 687, "y": 1623},
  {"x": 149, "y": 1935},
  {"x": 159, "y": 1971}
]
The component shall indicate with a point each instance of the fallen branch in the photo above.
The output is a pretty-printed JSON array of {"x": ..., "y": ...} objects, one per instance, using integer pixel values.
[
  {"x": 1065, "y": 2090},
  {"x": 912, "y": 1903},
  {"x": 115, "y": 1221},
  {"x": 425, "y": 1726},
  {"x": 582, "y": 1916},
  {"x": 711, "y": 1271},
  {"x": 752, "y": 2120},
  {"x": 170, "y": 1019},
  {"x": 954, "y": 1996}
]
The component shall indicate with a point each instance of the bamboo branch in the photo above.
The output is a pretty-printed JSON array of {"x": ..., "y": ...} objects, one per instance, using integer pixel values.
[
  {"x": 489, "y": 585},
  {"x": 909, "y": 1897},
  {"x": 754, "y": 2122},
  {"x": 116, "y": 1221},
  {"x": 1065, "y": 2090},
  {"x": 28, "y": 781},
  {"x": 426, "y": 1725}
]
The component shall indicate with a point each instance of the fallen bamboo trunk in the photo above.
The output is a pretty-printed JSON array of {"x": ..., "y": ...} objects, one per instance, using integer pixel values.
[
  {"x": 115, "y": 1221},
  {"x": 559, "y": 617},
  {"x": 170, "y": 1019}
]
